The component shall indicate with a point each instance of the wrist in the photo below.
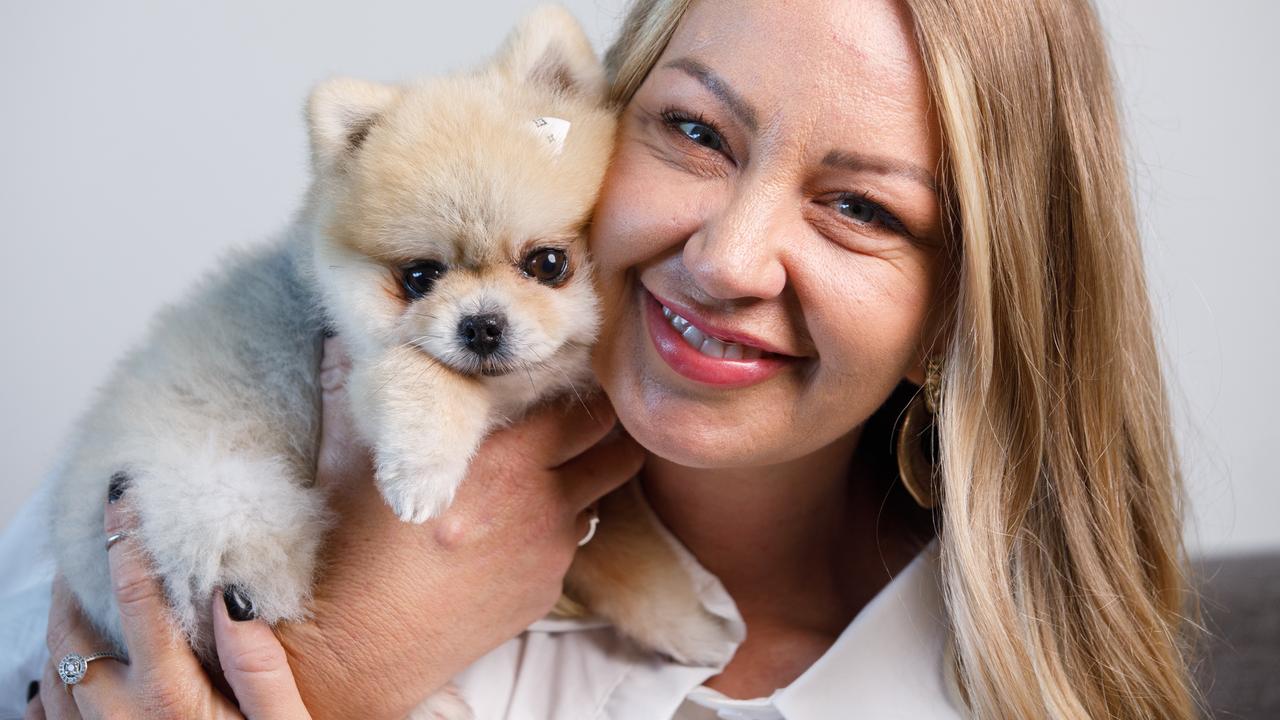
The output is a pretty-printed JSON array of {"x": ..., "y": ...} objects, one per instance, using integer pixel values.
[{"x": 344, "y": 672}]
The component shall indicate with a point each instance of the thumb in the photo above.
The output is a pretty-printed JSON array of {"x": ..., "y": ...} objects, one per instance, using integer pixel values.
[
  {"x": 254, "y": 661},
  {"x": 343, "y": 461}
]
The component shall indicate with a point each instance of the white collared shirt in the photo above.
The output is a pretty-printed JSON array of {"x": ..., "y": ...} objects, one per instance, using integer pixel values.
[{"x": 888, "y": 663}]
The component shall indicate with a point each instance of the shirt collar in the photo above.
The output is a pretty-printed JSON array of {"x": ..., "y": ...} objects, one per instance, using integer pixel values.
[{"x": 892, "y": 661}]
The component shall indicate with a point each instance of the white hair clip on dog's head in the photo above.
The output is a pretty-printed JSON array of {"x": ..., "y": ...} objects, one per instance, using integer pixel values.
[{"x": 554, "y": 130}]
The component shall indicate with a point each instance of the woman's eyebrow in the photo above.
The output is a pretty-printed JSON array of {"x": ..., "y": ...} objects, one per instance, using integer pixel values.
[
  {"x": 746, "y": 114},
  {"x": 880, "y": 165},
  {"x": 740, "y": 108}
]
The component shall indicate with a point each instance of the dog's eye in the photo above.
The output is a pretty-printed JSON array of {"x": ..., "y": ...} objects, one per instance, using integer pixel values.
[
  {"x": 420, "y": 277},
  {"x": 549, "y": 266}
]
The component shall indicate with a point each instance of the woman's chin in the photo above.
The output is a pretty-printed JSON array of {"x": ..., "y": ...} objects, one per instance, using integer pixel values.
[
  {"x": 706, "y": 447},
  {"x": 689, "y": 433}
]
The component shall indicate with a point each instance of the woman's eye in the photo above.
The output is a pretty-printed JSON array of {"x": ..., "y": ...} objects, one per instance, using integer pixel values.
[
  {"x": 856, "y": 208},
  {"x": 864, "y": 211},
  {"x": 549, "y": 266},
  {"x": 701, "y": 134},
  {"x": 420, "y": 276}
]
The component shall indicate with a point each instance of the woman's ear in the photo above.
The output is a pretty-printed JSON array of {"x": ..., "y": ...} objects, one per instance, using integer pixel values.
[
  {"x": 935, "y": 335},
  {"x": 340, "y": 113},
  {"x": 915, "y": 375},
  {"x": 934, "y": 347},
  {"x": 549, "y": 48}
]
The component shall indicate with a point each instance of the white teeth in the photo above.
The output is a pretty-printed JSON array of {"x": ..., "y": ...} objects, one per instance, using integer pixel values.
[
  {"x": 693, "y": 336},
  {"x": 707, "y": 345},
  {"x": 712, "y": 348}
]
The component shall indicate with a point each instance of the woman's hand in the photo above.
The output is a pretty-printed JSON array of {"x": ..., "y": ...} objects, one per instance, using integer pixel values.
[
  {"x": 163, "y": 679},
  {"x": 402, "y": 608}
]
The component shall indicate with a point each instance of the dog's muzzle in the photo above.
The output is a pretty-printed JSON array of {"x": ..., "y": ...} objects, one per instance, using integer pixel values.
[{"x": 482, "y": 333}]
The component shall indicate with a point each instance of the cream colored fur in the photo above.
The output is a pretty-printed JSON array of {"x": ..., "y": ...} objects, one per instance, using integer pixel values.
[{"x": 214, "y": 418}]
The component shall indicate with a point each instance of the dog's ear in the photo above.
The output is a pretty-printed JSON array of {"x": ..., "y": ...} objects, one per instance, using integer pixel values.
[
  {"x": 549, "y": 48},
  {"x": 340, "y": 113}
]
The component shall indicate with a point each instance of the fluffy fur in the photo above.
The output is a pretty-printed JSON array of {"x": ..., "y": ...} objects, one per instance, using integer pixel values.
[{"x": 214, "y": 419}]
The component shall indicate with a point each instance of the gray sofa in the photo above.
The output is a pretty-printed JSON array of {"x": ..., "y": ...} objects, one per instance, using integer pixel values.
[{"x": 1239, "y": 669}]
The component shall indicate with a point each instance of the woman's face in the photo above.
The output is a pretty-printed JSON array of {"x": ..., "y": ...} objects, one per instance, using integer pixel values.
[{"x": 768, "y": 232}]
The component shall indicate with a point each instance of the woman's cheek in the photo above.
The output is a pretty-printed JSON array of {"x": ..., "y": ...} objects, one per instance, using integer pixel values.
[
  {"x": 869, "y": 320},
  {"x": 621, "y": 218},
  {"x": 647, "y": 209}
]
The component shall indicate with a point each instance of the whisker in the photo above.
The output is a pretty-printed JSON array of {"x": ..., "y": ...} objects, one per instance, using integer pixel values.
[
  {"x": 528, "y": 370},
  {"x": 568, "y": 381}
]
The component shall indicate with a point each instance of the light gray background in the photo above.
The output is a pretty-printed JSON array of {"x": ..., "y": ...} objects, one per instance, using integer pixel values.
[{"x": 139, "y": 140}]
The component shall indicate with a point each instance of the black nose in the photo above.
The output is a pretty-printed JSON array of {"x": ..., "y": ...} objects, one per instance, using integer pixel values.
[{"x": 482, "y": 334}]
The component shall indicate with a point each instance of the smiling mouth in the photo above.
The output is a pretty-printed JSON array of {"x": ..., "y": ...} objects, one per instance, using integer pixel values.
[
  {"x": 695, "y": 354},
  {"x": 708, "y": 345}
]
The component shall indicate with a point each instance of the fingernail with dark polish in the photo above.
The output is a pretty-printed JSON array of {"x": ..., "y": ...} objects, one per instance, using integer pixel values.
[
  {"x": 239, "y": 606},
  {"x": 33, "y": 690},
  {"x": 119, "y": 483}
]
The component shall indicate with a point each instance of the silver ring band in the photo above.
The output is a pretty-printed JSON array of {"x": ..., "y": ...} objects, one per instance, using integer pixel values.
[
  {"x": 115, "y": 538},
  {"x": 72, "y": 666},
  {"x": 592, "y": 522}
]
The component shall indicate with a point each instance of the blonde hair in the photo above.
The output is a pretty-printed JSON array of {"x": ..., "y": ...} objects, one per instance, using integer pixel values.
[{"x": 1060, "y": 516}]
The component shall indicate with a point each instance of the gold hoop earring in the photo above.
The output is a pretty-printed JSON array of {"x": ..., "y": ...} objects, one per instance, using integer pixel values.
[{"x": 918, "y": 440}]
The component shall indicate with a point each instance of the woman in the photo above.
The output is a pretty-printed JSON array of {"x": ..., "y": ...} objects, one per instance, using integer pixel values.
[{"x": 847, "y": 196}]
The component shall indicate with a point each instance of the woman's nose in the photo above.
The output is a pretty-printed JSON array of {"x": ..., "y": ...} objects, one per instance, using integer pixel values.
[{"x": 738, "y": 252}]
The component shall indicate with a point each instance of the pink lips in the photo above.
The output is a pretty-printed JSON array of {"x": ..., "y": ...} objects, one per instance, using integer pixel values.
[{"x": 691, "y": 364}]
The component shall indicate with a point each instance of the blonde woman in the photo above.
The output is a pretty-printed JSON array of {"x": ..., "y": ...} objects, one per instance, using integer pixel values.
[{"x": 920, "y": 455}]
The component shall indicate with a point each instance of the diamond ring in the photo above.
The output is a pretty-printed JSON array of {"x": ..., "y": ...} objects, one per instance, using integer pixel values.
[{"x": 73, "y": 666}]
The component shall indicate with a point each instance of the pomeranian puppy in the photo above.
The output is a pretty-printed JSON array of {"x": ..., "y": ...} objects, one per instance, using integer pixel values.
[{"x": 443, "y": 239}]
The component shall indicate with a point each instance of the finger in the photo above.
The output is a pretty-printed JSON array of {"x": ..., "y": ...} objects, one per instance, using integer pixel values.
[
  {"x": 335, "y": 365},
  {"x": 600, "y": 470},
  {"x": 35, "y": 710},
  {"x": 560, "y": 431},
  {"x": 255, "y": 666},
  {"x": 342, "y": 458},
  {"x": 55, "y": 701},
  {"x": 156, "y": 648},
  {"x": 70, "y": 632}
]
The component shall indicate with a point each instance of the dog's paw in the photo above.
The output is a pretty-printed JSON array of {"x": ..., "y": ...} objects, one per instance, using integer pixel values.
[
  {"x": 698, "y": 638},
  {"x": 274, "y": 568},
  {"x": 227, "y": 520},
  {"x": 419, "y": 491},
  {"x": 416, "y": 505},
  {"x": 445, "y": 704}
]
